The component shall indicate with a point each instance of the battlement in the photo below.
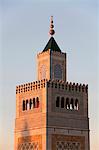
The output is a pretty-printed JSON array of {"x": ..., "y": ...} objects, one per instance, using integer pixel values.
[
  {"x": 53, "y": 84},
  {"x": 31, "y": 86},
  {"x": 68, "y": 86}
]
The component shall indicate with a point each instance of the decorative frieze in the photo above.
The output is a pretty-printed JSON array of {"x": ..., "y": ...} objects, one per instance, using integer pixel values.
[{"x": 66, "y": 142}]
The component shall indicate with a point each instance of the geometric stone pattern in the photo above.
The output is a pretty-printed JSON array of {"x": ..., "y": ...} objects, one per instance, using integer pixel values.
[
  {"x": 61, "y": 145},
  {"x": 28, "y": 146},
  {"x": 30, "y": 143},
  {"x": 58, "y": 72},
  {"x": 68, "y": 142}
]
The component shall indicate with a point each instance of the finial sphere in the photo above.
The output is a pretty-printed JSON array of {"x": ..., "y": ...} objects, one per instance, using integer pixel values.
[{"x": 51, "y": 32}]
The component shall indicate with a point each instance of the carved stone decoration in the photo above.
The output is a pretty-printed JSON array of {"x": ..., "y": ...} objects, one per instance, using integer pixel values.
[
  {"x": 29, "y": 143},
  {"x": 61, "y": 145},
  {"x": 66, "y": 142},
  {"x": 58, "y": 72},
  {"x": 28, "y": 146}
]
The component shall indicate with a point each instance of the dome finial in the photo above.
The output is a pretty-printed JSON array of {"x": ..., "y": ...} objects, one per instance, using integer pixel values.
[{"x": 51, "y": 32}]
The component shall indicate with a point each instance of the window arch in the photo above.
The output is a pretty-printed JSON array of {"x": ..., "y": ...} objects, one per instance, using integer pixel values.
[
  {"x": 76, "y": 104},
  {"x": 27, "y": 105},
  {"x": 72, "y": 104},
  {"x": 67, "y": 103},
  {"x": 57, "y": 101},
  {"x": 33, "y": 102},
  {"x": 62, "y": 102},
  {"x": 23, "y": 106},
  {"x": 37, "y": 102}
]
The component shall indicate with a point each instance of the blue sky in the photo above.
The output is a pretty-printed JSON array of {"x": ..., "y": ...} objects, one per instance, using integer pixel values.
[{"x": 24, "y": 27}]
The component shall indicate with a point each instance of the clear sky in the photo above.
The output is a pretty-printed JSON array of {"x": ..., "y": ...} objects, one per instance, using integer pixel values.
[{"x": 24, "y": 26}]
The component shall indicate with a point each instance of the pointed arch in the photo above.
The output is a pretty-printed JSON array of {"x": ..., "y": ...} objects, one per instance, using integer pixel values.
[
  {"x": 76, "y": 104},
  {"x": 23, "y": 105},
  {"x": 72, "y": 104},
  {"x": 37, "y": 102},
  {"x": 67, "y": 103},
  {"x": 33, "y": 102},
  {"x": 27, "y": 104},
  {"x": 30, "y": 104}
]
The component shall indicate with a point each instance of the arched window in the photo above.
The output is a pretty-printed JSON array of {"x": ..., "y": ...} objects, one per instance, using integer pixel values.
[
  {"x": 58, "y": 72},
  {"x": 27, "y": 105},
  {"x": 57, "y": 101},
  {"x": 30, "y": 103},
  {"x": 76, "y": 104},
  {"x": 67, "y": 103},
  {"x": 72, "y": 104},
  {"x": 37, "y": 102},
  {"x": 62, "y": 102},
  {"x": 23, "y": 107},
  {"x": 33, "y": 102}
]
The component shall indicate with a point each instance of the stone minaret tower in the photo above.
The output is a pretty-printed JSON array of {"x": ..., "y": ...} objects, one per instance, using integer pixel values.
[{"x": 52, "y": 114}]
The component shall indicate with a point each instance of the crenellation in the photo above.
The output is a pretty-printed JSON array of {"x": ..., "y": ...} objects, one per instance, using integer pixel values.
[
  {"x": 31, "y": 86},
  {"x": 68, "y": 86},
  {"x": 53, "y": 84}
]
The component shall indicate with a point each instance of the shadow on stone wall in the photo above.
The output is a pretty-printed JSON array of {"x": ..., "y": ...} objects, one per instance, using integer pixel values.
[{"x": 24, "y": 141}]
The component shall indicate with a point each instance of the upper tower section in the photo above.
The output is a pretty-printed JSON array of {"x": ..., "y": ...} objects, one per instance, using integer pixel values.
[{"x": 52, "y": 61}]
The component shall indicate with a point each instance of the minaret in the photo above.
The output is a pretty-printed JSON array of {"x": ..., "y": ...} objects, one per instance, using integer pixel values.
[{"x": 51, "y": 113}]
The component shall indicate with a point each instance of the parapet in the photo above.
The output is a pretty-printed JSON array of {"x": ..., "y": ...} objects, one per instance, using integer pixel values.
[
  {"x": 52, "y": 84},
  {"x": 31, "y": 86},
  {"x": 68, "y": 86}
]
